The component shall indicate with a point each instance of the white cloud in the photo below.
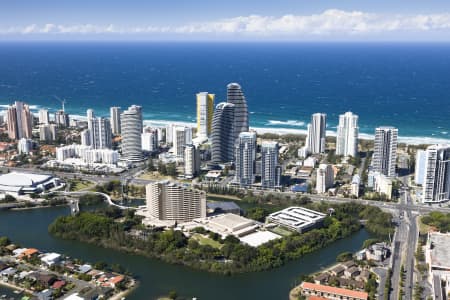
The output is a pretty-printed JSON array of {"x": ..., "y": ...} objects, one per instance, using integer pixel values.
[{"x": 329, "y": 22}]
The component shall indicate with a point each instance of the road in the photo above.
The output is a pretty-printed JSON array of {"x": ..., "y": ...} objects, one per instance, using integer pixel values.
[{"x": 382, "y": 275}]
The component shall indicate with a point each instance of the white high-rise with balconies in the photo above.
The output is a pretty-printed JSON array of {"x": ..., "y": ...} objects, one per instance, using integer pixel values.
[
  {"x": 182, "y": 136},
  {"x": 131, "y": 128},
  {"x": 150, "y": 139},
  {"x": 347, "y": 135},
  {"x": 436, "y": 186},
  {"x": 385, "y": 152},
  {"x": 170, "y": 201},
  {"x": 245, "y": 156},
  {"x": 270, "y": 170},
  {"x": 191, "y": 161},
  {"x": 44, "y": 117},
  {"x": 316, "y": 137},
  {"x": 115, "y": 119},
  {"x": 325, "y": 178},
  {"x": 205, "y": 110}
]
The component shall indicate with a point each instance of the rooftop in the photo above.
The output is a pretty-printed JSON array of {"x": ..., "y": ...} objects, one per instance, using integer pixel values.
[
  {"x": 22, "y": 179},
  {"x": 297, "y": 218},
  {"x": 231, "y": 222},
  {"x": 258, "y": 238},
  {"x": 334, "y": 290},
  {"x": 440, "y": 250}
]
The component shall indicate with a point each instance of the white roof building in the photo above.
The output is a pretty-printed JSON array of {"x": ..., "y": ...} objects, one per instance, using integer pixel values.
[
  {"x": 23, "y": 183},
  {"x": 297, "y": 218},
  {"x": 51, "y": 258}
]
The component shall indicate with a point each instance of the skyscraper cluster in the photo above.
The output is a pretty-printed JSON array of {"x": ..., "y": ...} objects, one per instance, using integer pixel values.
[{"x": 98, "y": 135}]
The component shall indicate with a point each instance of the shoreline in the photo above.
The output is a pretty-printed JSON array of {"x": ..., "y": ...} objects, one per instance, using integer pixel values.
[
  {"x": 409, "y": 140},
  {"x": 15, "y": 288}
]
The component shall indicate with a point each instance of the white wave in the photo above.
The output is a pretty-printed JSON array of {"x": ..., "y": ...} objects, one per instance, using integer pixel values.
[
  {"x": 163, "y": 123},
  {"x": 288, "y": 122},
  {"x": 411, "y": 140}
]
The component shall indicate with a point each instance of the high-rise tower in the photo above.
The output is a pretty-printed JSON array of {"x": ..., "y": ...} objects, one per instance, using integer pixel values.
[
  {"x": 385, "y": 152},
  {"x": 436, "y": 186},
  {"x": 222, "y": 136},
  {"x": 205, "y": 111},
  {"x": 347, "y": 135},
  {"x": 131, "y": 128},
  {"x": 236, "y": 97},
  {"x": 316, "y": 138},
  {"x": 245, "y": 157}
]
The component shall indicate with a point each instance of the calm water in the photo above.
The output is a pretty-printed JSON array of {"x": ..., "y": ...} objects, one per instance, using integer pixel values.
[
  {"x": 404, "y": 85},
  {"x": 30, "y": 229}
]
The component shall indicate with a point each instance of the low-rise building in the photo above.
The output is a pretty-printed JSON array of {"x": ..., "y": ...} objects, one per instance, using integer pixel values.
[
  {"x": 437, "y": 256},
  {"x": 297, "y": 218},
  {"x": 16, "y": 183},
  {"x": 51, "y": 259},
  {"x": 332, "y": 293},
  {"x": 377, "y": 252}
]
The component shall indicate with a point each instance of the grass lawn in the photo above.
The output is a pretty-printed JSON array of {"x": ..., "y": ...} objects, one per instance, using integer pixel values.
[
  {"x": 202, "y": 240},
  {"x": 76, "y": 185},
  {"x": 281, "y": 231},
  {"x": 153, "y": 176},
  {"x": 423, "y": 228}
]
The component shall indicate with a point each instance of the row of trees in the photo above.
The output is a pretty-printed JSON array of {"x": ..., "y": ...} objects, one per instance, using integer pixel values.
[{"x": 438, "y": 220}]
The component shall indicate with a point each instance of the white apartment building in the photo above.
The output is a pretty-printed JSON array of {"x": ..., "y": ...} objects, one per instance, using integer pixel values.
[
  {"x": 87, "y": 154},
  {"x": 245, "y": 156},
  {"x": 325, "y": 178},
  {"x": 385, "y": 152},
  {"x": 182, "y": 136},
  {"x": 150, "y": 140},
  {"x": 436, "y": 185},
  {"x": 347, "y": 135},
  {"x": 174, "y": 202},
  {"x": 191, "y": 161}
]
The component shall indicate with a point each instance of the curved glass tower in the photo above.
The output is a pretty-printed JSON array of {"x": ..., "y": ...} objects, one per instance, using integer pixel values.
[
  {"x": 222, "y": 136},
  {"x": 236, "y": 97}
]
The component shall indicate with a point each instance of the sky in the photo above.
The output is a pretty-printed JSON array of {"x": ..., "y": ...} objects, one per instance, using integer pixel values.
[{"x": 298, "y": 20}]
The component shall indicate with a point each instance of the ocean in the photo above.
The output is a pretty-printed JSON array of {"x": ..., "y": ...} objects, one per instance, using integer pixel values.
[{"x": 405, "y": 85}]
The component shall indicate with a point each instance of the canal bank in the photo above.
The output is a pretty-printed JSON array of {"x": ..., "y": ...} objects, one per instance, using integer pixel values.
[{"x": 157, "y": 278}]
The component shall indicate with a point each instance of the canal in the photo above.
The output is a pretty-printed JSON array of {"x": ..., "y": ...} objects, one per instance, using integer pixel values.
[{"x": 29, "y": 228}]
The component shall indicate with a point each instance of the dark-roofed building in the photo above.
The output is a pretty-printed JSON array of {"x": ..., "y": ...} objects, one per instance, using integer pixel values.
[
  {"x": 337, "y": 271},
  {"x": 351, "y": 272},
  {"x": 44, "y": 279},
  {"x": 348, "y": 264},
  {"x": 322, "y": 278},
  {"x": 222, "y": 207}
]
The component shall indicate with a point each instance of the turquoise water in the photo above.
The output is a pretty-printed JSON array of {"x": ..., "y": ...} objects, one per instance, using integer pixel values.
[{"x": 404, "y": 85}]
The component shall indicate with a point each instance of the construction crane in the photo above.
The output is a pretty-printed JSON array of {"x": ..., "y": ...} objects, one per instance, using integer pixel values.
[{"x": 63, "y": 101}]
